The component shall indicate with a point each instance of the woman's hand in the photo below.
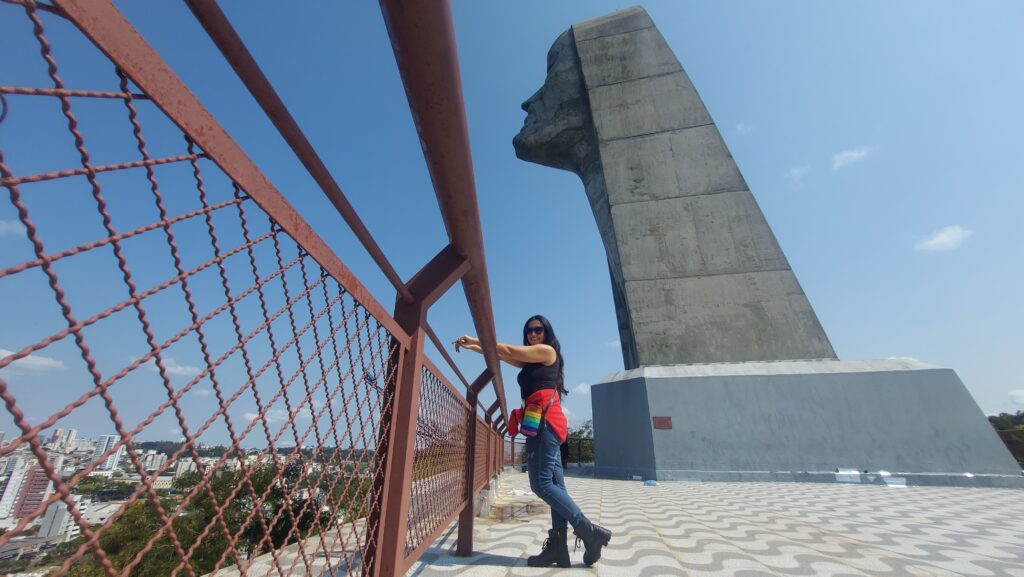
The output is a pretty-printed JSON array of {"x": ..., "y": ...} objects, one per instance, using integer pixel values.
[{"x": 467, "y": 342}]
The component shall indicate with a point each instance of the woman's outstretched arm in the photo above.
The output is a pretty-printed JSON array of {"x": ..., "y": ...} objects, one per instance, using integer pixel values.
[
  {"x": 515, "y": 355},
  {"x": 477, "y": 349}
]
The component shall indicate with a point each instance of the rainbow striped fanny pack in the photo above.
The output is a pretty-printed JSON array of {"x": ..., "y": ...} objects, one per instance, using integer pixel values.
[{"x": 533, "y": 418}]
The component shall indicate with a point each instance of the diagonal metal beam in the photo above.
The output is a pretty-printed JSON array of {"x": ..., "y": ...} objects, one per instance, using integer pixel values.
[
  {"x": 217, "y": 26},
  {"x": 437, "y": 276},
  {"x": 444, "y": 353}
]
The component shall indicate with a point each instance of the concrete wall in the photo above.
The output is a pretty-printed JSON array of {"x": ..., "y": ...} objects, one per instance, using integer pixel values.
[
  {"x": 625, "y": 446},
  {"x": 696, "y": 267},
  {"x": 763, "y": 417}
]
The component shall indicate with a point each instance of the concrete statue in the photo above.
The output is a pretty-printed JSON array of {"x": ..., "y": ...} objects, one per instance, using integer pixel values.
[
  {"x": 729, "y": 374},
  {"x": 697, "y": 275}
]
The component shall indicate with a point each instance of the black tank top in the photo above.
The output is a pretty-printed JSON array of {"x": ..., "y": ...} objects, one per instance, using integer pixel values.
[{"x": 536, "y": 376}]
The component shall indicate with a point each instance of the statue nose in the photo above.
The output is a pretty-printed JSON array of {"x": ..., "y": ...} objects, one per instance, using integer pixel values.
[{"x": 529, "y": 101}]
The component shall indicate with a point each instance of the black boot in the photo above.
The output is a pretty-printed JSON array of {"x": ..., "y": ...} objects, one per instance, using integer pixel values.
[
  {"x": 555, "y": 552},
  {"x": 593, "y": 537}
]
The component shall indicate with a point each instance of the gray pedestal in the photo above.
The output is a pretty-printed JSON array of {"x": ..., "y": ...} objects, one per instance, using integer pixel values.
[{"x": 799, "y": 421}]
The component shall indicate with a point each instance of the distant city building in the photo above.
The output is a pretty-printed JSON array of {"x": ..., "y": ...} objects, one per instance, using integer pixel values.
[
  {"x": 98, "y": 513},
  {"x": 152, "y": 460},
  {"x": 71, "y": 441},
  {"x": 56, "y": 440},
  {"x": 59, "y": 524},
  {"x": 85, "y": 445},
  {"x": 104, "y": 444},
  {"x": 34, "y": 490},
  {"x": 14, "y": 477},
  {"x": 26, "y": 547},
  {"x": 184, "y": 466},
  {"x": 161, "y": 482}
]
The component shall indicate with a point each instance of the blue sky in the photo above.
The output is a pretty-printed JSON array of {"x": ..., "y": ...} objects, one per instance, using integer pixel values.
[{"x": 881, "y": 140}]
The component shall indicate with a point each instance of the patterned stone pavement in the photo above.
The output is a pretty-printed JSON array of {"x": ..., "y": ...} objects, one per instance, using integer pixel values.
[{"x": 756, "y": 529}]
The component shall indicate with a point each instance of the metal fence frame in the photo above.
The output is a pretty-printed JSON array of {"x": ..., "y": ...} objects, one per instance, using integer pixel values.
[{"x": 422, "y": 36}]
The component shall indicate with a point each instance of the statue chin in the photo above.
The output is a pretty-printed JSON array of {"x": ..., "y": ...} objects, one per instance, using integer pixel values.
[
  {"x": 522, "y": 148},
  {"x": 562, "y": 146},
  {"x": 517, "y": 143},
  {"x": 537, "y": 154}
]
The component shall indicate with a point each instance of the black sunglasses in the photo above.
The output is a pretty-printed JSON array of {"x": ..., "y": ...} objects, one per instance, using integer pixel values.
[{"x": 534, "y": 330}]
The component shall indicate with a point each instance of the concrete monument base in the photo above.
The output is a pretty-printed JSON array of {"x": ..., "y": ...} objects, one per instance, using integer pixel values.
[{"x": 893, "y": 421}]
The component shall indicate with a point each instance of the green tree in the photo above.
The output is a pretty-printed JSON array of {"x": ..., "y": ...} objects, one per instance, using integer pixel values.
[
  {"x": 1007, "y": 422},
  {"x": 126, "y": 537},
  {"x": 294, "y": 504},
  {"x": 585, "y": 430},
  {"x": 101, "y": 489},
  {"x": 581, "y": 443}
]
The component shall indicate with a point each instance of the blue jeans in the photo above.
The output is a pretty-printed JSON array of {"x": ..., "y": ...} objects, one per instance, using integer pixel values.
[{"x": 544, "y": 463}]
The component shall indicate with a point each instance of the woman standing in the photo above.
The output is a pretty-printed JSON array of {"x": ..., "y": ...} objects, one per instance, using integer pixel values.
[{"x": 541, "y": 386}]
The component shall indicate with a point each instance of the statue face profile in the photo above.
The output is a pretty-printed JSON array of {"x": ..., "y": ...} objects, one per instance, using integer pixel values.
[{"x": 558, "y": 131}]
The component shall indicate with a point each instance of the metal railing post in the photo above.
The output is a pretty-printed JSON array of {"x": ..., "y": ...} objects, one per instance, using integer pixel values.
[
  {"x": 488, "y": 455},
  {"x": 388, "y": 555},
  {"x": 464, "y": 546},
  {"x": 398, "y": 454}
]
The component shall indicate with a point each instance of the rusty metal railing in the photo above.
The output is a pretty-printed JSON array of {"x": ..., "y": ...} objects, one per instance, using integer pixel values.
[
  {"x": 513, "y": 452},
  {"x": 347, "y": 451}
]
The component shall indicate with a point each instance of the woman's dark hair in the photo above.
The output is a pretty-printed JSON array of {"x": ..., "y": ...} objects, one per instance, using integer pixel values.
[{"x": 551, "y": 340}]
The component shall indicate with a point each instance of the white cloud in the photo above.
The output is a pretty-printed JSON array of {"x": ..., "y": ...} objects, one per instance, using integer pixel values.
[
  {"x": 566, "y": 412},
  {"x": 582, "y": 388},
  {"x": 947, "y": 238},
  {"x": 177, "y": 369},
  {"x": 203, "y": 392},
  {"x": 279, "y": 415},
  {"x": 1018, "y": 396},
  {"x": 849, "y": 156},
  {"x": 11, "y": 228},
  {"x": 32, "y": 364},
  {"x": 174, "y": 368},
  {"x": 742, "y": 128},
  {"x": 796, "y": 176},
  {"x": 614, "y": 344}
]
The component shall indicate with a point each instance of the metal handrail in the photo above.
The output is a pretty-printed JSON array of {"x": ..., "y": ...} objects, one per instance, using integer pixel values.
[{"x": 423, "y": 40}]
